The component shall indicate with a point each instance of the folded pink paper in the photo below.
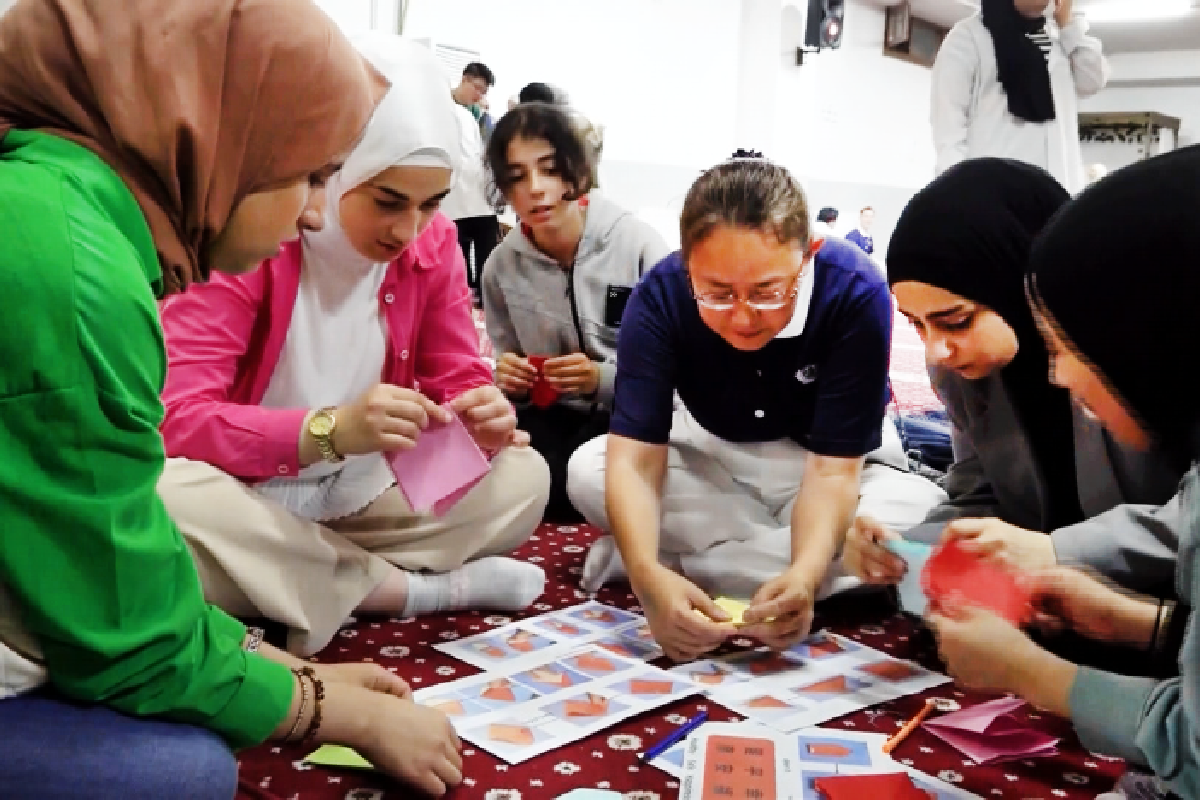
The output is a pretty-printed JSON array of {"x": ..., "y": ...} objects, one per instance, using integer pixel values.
[
  {"x": 441, "y": 469},
  {"x": 988, "y": 733}
]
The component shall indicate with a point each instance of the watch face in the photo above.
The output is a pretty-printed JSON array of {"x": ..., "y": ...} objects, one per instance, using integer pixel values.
[{"x": 321, "y": 425}]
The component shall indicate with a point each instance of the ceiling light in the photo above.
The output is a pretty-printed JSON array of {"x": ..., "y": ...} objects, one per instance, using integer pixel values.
[{"x": 1137, "y": 10}]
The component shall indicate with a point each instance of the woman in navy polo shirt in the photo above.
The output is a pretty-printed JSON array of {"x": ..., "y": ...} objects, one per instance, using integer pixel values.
[{"x": 779, "y": 356}]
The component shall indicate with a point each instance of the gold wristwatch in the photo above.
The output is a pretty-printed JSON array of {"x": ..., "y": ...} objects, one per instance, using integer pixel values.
[{"x": 321, "y": 426}]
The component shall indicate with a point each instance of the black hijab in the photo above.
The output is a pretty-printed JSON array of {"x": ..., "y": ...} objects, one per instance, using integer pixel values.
[
  {"x": 1118, "y": 273},
  {"x": 1020, "y": 65},
  {"x": 970, "y": 232}
]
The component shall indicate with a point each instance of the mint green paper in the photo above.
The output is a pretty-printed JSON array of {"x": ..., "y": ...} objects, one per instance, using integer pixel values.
[{"x": 334, "y": 755}]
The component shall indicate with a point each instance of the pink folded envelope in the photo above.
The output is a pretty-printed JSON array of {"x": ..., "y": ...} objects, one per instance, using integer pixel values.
[
  {"x": 441, "y": 469},
  {"x": 988, "y": 733}
]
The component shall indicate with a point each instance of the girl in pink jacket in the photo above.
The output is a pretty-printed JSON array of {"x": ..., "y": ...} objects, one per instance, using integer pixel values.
[{"x": 291, "y": 387}]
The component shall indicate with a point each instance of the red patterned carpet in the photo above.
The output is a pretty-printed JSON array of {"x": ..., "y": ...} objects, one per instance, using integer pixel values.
[{"x": 609, "y": 760}]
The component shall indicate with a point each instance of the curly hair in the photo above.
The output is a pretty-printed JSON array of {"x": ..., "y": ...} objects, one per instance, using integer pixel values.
[{"x": 572, "y": 157}]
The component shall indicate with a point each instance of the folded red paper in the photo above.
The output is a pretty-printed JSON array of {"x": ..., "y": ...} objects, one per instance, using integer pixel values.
[
  {"x": 888, "y": 786},
  {"x": 953, "y": 573},
  {"x": 542, "y": 394}
]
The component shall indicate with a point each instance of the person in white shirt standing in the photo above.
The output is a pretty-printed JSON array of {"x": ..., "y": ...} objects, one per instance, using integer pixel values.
[
  {"x": 468, "y": 204},
  {"x": 1007, "y": 83}
]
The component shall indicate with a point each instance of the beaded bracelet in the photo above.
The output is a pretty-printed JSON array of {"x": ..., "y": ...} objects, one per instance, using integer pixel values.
[
  {"x": 303, "y": 705},
  {"x": 314, "y": 724}
]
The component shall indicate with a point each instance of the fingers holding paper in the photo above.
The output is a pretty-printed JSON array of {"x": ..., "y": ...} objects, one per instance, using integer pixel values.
[
  {"x": 685, "y": 621},
  {"x": 488, "y": 416},
  {"x": 866, "y": 556},
  {"x": 781, "y": 612},
  {"x": 573, "y": 374},
  {"x": 515, "y": 375},
  {"x": 978, "y": 647},
  {"x": 998, "y": 540},
  {"x": 385, "y": 418},
  {"x": 1063, "y": 597}
]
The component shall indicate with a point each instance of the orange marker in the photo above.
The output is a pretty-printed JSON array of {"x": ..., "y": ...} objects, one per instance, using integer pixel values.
[{"x": 910, "y": 726}]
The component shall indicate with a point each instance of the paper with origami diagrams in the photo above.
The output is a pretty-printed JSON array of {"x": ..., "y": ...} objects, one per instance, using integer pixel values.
[
  {"x": 823, "y": 677},
  {"x": 524, "y": 709},
  {"x": 533, "y": 640},
  {"x": 738, "y": 756}
]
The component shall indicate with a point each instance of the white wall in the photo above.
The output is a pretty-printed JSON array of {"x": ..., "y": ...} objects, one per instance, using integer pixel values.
[
  {"x": 854, "y": 124},
  {"x": 659, "y": 74},
  {"x": 357, "y": 16},
  {"x": 674, "y": 87}
]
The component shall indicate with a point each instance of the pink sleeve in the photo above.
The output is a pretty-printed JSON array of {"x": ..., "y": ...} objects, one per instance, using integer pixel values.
[
  {"x": 447, "y": 347},
  {"x": 208, "y": 331}
]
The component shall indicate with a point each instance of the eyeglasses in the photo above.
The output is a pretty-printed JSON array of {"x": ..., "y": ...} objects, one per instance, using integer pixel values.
[{"x": 727, "y": 300}]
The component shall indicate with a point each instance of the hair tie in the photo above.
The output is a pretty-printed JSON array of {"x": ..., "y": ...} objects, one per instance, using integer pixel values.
[{"x": 742, "y": 154}]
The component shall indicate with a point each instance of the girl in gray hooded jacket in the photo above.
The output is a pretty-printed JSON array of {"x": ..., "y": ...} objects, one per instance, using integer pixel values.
[{"x": 555, "y": 289}]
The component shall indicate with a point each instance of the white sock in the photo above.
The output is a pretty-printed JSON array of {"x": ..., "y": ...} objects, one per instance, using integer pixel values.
[
  {"x": 494, "y": 583},
  {"x": 604, "y": 565}
]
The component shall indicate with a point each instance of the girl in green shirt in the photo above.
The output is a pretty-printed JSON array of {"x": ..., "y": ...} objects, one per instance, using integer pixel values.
[{"x": 140, "y": 148}]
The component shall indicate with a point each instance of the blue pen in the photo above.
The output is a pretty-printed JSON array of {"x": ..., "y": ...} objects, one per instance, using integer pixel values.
[{"x": 675, "y": 738}]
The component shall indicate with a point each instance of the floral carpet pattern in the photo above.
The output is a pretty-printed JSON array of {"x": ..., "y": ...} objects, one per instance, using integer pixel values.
[{"x": 609, "y": 759}]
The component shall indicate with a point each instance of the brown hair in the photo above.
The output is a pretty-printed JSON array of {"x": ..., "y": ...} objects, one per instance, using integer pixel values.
[
  {"x": 745, "y": 193},
  {"x": 572, "y": 159}
]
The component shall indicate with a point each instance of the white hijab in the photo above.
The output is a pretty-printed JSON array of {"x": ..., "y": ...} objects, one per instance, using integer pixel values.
[{"x": 337, "y": 341}]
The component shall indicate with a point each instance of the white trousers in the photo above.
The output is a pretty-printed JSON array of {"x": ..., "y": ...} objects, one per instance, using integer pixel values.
[{"x": 726, "y": 508}]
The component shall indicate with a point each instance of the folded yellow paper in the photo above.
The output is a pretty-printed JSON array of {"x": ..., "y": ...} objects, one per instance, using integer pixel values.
[{"x": 734, "y": 608}]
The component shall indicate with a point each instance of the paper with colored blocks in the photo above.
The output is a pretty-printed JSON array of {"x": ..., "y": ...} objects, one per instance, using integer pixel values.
[
  {"x": 532, "y": 708},
  {"x": 532, "y": 641},
  {"x": 823, "y": 677},
  {"x": 724, "y": 762},
  {"x": 722, "y": 758},
  {"x": 651, "y": 687},
  {"x": 590, "y": 705},
  {"x": 518, "y": 735}
]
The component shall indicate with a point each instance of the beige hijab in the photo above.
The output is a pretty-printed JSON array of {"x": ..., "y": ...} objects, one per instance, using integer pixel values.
[{"x": 195, "y": 103}]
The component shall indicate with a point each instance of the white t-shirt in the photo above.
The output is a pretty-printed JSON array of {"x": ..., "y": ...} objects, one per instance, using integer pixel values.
[{"x": 468, "y": 198}]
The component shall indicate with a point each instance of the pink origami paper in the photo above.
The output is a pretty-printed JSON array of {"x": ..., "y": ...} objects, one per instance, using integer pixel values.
[
  {"x": 988, "y": 733},
  {"x": 441, "y": 469}
]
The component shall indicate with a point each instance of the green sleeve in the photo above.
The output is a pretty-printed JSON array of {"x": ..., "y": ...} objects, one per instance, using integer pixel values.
[{"x": 103, "y": 578}]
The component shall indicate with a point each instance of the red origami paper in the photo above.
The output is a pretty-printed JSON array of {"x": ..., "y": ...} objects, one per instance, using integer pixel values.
[
  {"x": 953, "y": 574},
  {"x": 889, "y": 786},
  {"x": 542, "y": 394}
]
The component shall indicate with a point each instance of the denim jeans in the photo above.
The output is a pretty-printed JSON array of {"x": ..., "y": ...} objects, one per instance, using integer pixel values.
[{"x": 53, "y": 749}]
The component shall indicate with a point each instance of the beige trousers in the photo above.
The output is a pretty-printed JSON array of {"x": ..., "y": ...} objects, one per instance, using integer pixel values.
[{"x": 257, "y": 559}]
